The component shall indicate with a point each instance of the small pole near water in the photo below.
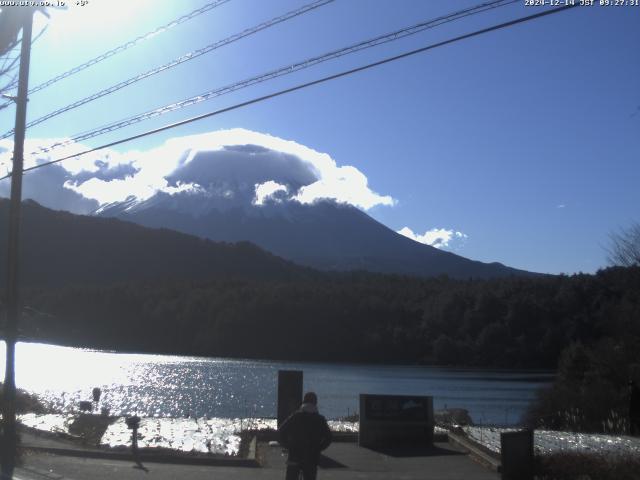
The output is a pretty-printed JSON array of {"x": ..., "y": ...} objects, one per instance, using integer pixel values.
[
  {"x": 96, "y": 394},
  {"x": 133, "y": 423}
]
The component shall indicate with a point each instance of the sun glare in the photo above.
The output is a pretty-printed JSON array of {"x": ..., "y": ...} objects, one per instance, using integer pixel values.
[{"x": 94, "y": 17}]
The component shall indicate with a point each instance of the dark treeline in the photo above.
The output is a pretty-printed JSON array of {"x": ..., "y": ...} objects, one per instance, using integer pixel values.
[{"x": 511, "y": 322}]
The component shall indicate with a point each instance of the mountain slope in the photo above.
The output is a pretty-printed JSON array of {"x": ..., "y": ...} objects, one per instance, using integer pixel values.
[
  {"x": 61, "y": 248},
  {"x": 324, "y": 235}
]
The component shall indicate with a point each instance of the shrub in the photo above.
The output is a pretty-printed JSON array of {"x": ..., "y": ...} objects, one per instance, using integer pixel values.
[
  {"x": 587, "y": 466},
  {"x": 25, "y": 402},
  {"x": 590, "y": 393}
]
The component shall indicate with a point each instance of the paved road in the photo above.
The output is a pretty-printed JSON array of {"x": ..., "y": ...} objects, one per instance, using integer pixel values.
[{"x": 342, "y": 461}]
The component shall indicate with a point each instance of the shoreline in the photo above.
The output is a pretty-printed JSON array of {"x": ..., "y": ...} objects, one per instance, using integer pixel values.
[{"x": 551, "y": 373}]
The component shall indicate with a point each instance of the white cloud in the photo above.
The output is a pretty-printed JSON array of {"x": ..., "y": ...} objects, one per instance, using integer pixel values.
[
  {"x": 34, "y": 155},
  {"x": 267, "y": 190},
  {"x": 346, "y": 185},
  {"x": 436, "y": 237},
  {"x": 227, "y": 164}
]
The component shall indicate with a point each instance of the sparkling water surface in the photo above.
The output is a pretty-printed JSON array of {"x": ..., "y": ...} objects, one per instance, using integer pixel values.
[{"x": 175, "y": 386}]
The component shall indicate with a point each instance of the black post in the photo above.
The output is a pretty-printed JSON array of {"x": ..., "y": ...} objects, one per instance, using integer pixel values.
[
  {"x": 12, "y": 297},
  {"x": 289, "y": 393},
  {"x": 516, "y": 454}
]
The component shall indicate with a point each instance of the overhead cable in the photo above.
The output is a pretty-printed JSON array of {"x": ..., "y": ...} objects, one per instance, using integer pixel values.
[
  {"x": 178, "y": 61},
  {"x": 123, "y": 47},
  {"x": 306, "y": 85},
  {"x": 285, "y": 70},
  {"x": 129, "y": 44},
  {"x": 7, "y": 69}
]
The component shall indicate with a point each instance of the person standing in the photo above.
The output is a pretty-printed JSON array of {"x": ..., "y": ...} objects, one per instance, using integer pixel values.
[{"x": 305, "y": 434}]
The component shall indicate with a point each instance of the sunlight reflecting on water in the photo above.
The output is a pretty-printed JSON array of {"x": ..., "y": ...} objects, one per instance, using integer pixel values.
[
  {"x": 174, "y": 386},
  {"x": 149, "y": 385}
]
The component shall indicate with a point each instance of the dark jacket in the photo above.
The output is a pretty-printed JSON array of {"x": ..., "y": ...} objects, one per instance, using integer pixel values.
[{"x": 305, "y": 434}]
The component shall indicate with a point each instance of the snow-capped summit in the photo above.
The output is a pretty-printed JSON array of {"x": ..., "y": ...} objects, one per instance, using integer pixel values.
[{"x": 293, "y": 205}]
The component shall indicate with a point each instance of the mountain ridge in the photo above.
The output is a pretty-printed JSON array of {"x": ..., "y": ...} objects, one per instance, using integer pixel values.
[
  {"x": 325, "y": 235},
  {"x": 59, "y": 247}
]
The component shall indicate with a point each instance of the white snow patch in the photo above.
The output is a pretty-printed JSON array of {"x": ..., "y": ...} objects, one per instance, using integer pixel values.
[{"x": 549, "y": 441}]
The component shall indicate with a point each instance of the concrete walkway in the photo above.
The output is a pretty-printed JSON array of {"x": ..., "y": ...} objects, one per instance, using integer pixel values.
[{"x": 341, "y": 461}]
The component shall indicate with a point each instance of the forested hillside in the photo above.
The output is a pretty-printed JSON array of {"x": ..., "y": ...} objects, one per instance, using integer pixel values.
[
  {"x": 358, "y": 317},
  {"x": 110, "y": 284},
  {"x": 59, "y": 248}
]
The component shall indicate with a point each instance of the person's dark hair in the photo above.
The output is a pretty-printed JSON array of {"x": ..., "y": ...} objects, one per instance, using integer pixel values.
[{"x": 310, "y": 397}]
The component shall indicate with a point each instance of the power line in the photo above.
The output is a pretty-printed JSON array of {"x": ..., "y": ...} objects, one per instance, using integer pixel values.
[
  {"x": 178, "y": 61},
  {"x": 5, "y": 70},
  {"x": 13, "y": 65},
  {"x": 286, "y": 70},
  {"x": 9, "y": 29},
  {"x": 9, "y": 86},
  {"x": 307, "y": 84},
  {"x": 9, "y": 64},
  {"x": 11, "y": 83},
  {"x": 129, "y": 44}
]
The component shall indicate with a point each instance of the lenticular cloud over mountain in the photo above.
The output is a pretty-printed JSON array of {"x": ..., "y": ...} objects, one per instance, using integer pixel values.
[
  {"x": 235, "y": 167},
  {"x": 242, "y": 186}
]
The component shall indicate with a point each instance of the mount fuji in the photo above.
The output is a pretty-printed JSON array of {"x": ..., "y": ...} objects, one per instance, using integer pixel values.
[{"x": 257, "y": 194}]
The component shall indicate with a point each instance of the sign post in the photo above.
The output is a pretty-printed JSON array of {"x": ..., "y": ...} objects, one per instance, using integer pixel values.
[
  {"x": 517, "y": 455},
  {"x": 289, "y": 393},
  {"x": 389, "y": 420}
]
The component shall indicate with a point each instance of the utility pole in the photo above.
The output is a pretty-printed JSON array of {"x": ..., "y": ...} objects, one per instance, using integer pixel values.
[{"x": 9, "y": 439}]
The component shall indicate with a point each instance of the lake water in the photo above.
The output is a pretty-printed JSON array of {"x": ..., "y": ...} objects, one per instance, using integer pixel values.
[{"x": 172, "y": 386}]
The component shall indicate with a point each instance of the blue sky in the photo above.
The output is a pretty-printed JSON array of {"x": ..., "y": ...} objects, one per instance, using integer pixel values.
[{"x": 525, "y": 140}]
